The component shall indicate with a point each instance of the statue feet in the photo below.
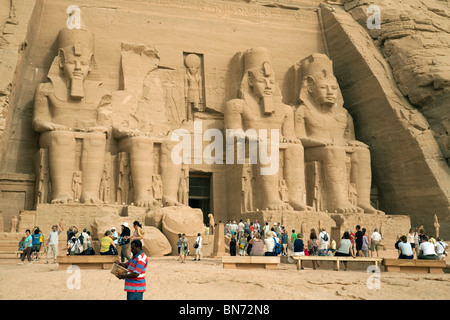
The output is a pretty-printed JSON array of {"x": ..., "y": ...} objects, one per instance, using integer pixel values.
[
  {"x": 88, "y": 197},
  {"x": 367, "y": 208},
  {"x": 146, "y": 202},
  {"x": 300, "y": 206},
  {"x": 169, "y": 202},
  {"x": 277, "y": 205},
  {"x": 63, "y": 197},
  {"x": 347, "y": 208}
]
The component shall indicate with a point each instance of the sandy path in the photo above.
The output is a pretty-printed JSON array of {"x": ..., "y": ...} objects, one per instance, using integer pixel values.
[{"x": 169, "y": 279}]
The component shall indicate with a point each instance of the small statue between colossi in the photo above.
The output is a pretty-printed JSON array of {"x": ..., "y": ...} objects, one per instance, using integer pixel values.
[{"x": 193, "y": 86}]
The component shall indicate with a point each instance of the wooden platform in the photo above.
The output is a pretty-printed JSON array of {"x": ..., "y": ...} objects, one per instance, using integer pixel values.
[
  {"x": 414, "y": 265},
  {"x": 249, "y": 262},
  {"x": 87, "y": 262},
  {"x": 337, "y": 260}
]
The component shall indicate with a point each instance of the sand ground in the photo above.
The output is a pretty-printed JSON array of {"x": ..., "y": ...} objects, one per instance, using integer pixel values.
[{"x": 167, "y": 279}]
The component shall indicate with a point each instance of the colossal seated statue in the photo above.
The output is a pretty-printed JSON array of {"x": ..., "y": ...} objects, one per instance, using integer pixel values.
[
  {"x": 326, "y": 131},
  {"x": 259, "y": 107},
  {"x": 139, "y": 122},
  {"x": 68, "y": 113}
]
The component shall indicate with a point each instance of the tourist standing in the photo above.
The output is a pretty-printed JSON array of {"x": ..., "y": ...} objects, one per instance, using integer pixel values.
[
  {"x": 233, "y": 246},
  {"x": 313, "y": 247},
  {"x": 299, "y": 247},
  {"x": 52, "y": 243},
  {"x": 184, "y": 248},
  {"x": 257, "y": 227},
  {"x": 125, "y": 236},
  {"x": 265, "y": 229},
  {"x": 375, "y": 240},
  {"x": 249, "y": 244},
  {"x": 115, "y": 236},
  {"x": 242, "y": 244},
  {"x": 28, "y": 247},
  {"x": 198, "y": 247},
  {"x": 410, "y": 239},
  {"x": 135, "y": 284},
  {"x": 324, "y": 240},
  {"x": 365, "y": 244},
  {"x": 269, "y": 241},
  {"x": 293, "y": 238},
  {"x": 359, "y": 240},
  {"x": 85, "y": 237},
  {"x": 284, "y": 242},
  {"x": 247, "y": 227},
  {"x": 138, "y": 233},
  {"x": 36, "y": 236},
  {"x": 241, "y": 227}
]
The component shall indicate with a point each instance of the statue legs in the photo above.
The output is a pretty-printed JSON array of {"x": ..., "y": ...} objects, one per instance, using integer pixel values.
[
  {"x": 61, "y": 151},
  {"x": 92, "y": 164},
  {"x": 294, "y": 175},
  {"x": 333, "y": 161},
  {"x": 140, "y": 151},
  {"x": 170, "y": 175},
  {"x": 268, "y": 184},
  {"x": 361, "y": 175}
]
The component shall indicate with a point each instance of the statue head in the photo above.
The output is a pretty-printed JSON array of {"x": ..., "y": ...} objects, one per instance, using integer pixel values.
[
  {"x": 75, "y": 58},
  {"x": 259, "y": 78},
  {"x": 318, "y": 82},
  {"x": 192, "y": 62}
]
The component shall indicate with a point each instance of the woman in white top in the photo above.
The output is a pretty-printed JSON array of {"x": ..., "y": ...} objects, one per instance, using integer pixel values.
[
  {"x": 410, "y": 237},
  {"x": 269, "y": 242},
  {"x": 345, "y": 249},
  {"x": 406, "y": 251}
]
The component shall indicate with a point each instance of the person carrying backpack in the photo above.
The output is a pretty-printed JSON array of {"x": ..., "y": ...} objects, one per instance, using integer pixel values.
[
  {"x": 277, "y": 249},
  {"x": 324, "y": 240}
]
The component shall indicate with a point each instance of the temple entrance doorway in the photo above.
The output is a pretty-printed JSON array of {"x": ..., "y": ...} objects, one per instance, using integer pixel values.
[{"x": 200, "y": 193}]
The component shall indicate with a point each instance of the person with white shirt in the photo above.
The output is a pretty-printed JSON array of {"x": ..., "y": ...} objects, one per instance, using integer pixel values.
[
  {"x": 52, "y": 242},
  {"x": 324, "y": 240},
  {"x": 198, "y": 247},
  {"x": 406, "y": 251},
  {"x": 440, "y": 248},
  {"x": 269, "y": 243},
  {"x": 241, "y": 227},
  {"x": 115, "y": 235},
  {"x": 427, "y": 250},
  {"x": 375, "y": 242}
]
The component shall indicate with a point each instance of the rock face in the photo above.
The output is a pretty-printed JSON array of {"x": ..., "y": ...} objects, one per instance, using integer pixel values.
[
  {"x": 410, "y": 171},
  {"x": 414, "y": 37}
]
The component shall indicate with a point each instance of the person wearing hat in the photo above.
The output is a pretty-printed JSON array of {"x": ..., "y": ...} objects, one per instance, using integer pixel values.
[
  {"x": 125, "y": 242},
  {"x": 85, "y": 236},
  {"x": 114, "y": 235}
]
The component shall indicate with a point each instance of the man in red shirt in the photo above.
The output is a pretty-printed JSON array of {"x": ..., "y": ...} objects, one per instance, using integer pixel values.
[{"x": 135, "y": 285}]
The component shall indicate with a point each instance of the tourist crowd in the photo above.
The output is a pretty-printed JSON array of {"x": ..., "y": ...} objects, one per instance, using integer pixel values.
[{"x": 254, "y": 239}]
